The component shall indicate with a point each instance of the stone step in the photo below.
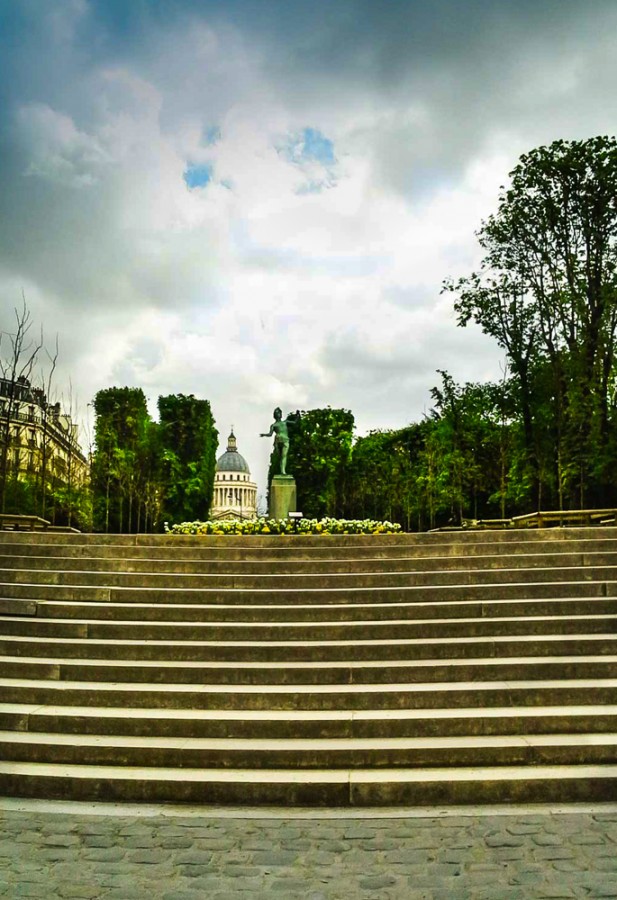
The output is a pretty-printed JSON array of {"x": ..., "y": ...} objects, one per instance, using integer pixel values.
[
  {"x": 314, "y": 787},
  {"x": 310, "y": 541},
  {"x": 276, "y": 724},
  {"x": 300, "y": 547},
  {"x": 427, "y": 695},
  {"x": 296, "y": 613},
  {"x": 318, "y": 753},
  {"x": 281, "y": 584},
  {"x": 392, "y": 629},
  {"x": 306, "y": 674},
  {"x": 294, "y": 567},
  {"x": 526, "y": 668},
  {"x": 303, "y": 596},
  {"x": 499, "y": 646},
  {"x": 444, "y": 668}
]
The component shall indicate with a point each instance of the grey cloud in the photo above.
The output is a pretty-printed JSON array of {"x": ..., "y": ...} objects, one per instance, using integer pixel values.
[
  {"x": 392, "y": 383},
  {"x": 443, "y": 78}
]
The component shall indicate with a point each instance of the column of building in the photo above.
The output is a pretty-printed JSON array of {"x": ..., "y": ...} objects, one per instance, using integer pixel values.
[{"x": 244, "y": 496}]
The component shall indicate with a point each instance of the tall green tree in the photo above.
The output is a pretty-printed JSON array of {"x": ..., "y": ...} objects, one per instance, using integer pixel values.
[
  {"x": 123, "y": 432},
  {"x": 469, "y": 439},
  {"x": 547, "y": 292},
  {"x": 187, "y": 442},
  {"x": 144, "y": 472},
  {"x": 461, "y": 461},
  {"x": 369, "y": 478},
  {"x": 382, "y": 482}
]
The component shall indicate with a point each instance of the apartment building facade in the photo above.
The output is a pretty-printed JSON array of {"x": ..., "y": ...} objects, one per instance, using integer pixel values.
[{"x": 37, "y": 439}]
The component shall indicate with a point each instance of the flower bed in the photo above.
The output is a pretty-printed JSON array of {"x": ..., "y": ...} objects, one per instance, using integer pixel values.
[{"x": 285, "y": 526}]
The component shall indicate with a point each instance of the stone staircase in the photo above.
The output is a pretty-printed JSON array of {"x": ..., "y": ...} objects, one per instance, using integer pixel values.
[{"x": 472, "y": 667}]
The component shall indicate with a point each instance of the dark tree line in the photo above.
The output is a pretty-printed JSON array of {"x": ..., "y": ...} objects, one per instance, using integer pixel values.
[{"x": 456, "y": 463}]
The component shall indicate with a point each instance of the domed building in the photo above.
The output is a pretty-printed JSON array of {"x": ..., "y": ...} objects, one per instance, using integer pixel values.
[{"x": 235, "y": 495}]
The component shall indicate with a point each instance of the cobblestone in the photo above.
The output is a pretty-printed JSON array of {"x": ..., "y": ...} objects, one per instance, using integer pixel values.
[
  {"x": 519, "y": 856},
  {"x": 176, "y": 843}
]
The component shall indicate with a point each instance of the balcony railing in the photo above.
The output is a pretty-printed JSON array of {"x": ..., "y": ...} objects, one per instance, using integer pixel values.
[{"x": 21, "y": 417}]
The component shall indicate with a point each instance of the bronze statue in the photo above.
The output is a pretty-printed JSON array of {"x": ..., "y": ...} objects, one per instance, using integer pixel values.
[{"x": 281, "y": 436}]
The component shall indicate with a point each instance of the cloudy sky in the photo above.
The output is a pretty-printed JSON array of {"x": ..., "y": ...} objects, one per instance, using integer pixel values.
[{"x": 256, "y": 201}]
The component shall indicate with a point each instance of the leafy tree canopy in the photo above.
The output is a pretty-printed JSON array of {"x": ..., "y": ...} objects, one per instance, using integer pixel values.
[{"x": 546, "y": 290}]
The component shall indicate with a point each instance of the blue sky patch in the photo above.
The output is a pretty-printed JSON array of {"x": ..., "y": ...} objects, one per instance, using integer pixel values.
[
  {"x": 211, "y": 135},
  {"x": 317, "y": 147},
  {"x": 313, "y": 152},
  {"x": 310, "y": 146},
  {"x": 197, "y": 176}
]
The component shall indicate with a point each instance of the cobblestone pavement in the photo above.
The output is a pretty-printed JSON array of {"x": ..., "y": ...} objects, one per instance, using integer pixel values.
[{"x": 527, "y": 853}]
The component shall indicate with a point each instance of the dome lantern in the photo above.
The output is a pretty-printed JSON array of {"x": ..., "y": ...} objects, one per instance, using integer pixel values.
[{"x": 231, "y": 460}]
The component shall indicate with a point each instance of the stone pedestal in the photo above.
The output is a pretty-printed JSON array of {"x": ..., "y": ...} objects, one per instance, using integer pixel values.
[{"x": 282, "y": 496}]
